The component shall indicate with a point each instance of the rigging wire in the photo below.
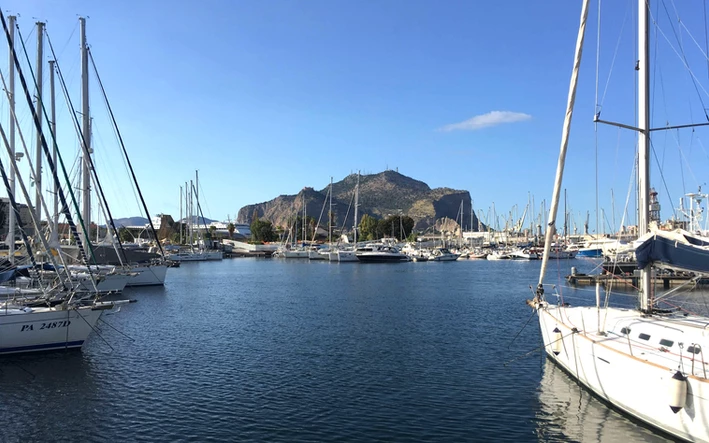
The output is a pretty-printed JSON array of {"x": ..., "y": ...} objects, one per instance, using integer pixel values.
[
  {"x": 53, "y": 167},
  {"x": 71, "y": 36},
  {"x": 678, "y": 37},
  {"x": 615, "y": 54},
  {"x": 92, "y": 168},
  {"x": 595, "y": 125},
  {"x": 683, "y": 58},
  {"x": 706, "y": 36},
  {"x": 125, "y": 153},
  {"x": 662, "y": 175}
]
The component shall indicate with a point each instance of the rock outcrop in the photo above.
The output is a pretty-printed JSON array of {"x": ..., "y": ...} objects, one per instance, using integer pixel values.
[{"x": 380, "y": 195}]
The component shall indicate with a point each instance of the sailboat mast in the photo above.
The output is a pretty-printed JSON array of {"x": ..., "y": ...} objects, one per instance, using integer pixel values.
[
  {"x": 472, "y": 211},
  {"x": 354, "y": 227},
  {"x": 305, "y": 229},
  {"x": 329, "y": 224},
  {"x": 190, "y": 202},
  {"x": 551, "y": 225},
  {"x": 644, "y": 141},
  {"x": 53, "y": 110},
  {"x": 566, "y": 218},
  {"x": 196, "y": 193},
  {"x": 11, "y": 213},
  {"x": 38, "y": 110},
  {"x": 182, "y": 222},
  {"x": 85, "y": 130}
]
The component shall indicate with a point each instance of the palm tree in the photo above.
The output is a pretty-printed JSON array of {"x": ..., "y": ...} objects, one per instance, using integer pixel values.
[{"x": 231, "y": 228}]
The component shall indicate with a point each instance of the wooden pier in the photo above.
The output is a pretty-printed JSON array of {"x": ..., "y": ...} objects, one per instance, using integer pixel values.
[{"x": 666, "y": 281}]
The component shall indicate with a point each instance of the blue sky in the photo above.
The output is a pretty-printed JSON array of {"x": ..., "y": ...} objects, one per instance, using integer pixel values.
[{"x": 264, "y": 98}]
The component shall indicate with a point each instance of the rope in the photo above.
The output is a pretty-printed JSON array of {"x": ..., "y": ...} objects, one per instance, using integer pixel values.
[
  {"x": 115, "y": 329},
  {"x": 92, "y": 328},
  {"x": 527, "y": 354}
]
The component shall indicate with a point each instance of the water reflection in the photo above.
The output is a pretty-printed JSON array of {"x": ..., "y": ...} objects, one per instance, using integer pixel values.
[
  {"x": 568, "y": 412},
  {"x": 39, "y": 390}
]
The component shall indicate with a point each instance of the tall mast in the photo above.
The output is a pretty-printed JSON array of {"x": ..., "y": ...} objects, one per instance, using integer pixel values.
[
  {"x": 86, "y": 131},
  {"x": 38, "y": 110},
  {"x": 305, "y": 229},
  {"x": 329, "y": 224},
  {"x": 53, "y": 127},
  {"x": 182, "y": 222},
  {"x": 462, "y": 208},
  {"x": 189, "y": 202},
  {"x": 566, "y": 217},
  {"x": 643, "y": 141},
  {"x": 196, "y": 193},
  {"x": 551, "y": 225},
  {"x": 472, "y": 211},
  {"x": 356, "y": 207},
  {"x": 11, "y": 213}
]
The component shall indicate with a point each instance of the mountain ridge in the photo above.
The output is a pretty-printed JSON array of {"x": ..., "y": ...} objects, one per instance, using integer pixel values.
[{"x": 380, "y": 195}]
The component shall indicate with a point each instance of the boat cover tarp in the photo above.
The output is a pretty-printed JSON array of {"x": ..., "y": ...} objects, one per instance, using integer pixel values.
[
  {"x": 676, "y": 249},
  {"x": 12, "y": 273}
]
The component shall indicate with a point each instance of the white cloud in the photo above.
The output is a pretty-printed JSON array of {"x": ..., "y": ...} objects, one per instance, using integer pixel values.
[{"x": 492, "y": 118}]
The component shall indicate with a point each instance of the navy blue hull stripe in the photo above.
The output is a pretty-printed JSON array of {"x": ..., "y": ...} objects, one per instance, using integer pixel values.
[{"x": 70, "y": 344}]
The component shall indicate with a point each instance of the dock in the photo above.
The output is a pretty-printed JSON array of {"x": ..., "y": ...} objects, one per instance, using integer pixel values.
[{"x": 631, "y": 280}]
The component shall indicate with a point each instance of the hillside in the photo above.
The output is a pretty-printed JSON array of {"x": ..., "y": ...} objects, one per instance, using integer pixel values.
[
  {"x": 130, "y": 221},
  {"x": 380, "y": 195}
]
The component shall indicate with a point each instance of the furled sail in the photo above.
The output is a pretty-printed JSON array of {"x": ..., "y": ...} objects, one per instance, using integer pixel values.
[{"x": 676, "y": 249}]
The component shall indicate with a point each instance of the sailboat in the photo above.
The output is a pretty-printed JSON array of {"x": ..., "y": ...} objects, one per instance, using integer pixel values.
[
  {"x": 200, "y": 253},
  {"x": 348, "y": 254},
  {"x": 129, "y": 267},
  {"x": 61, "y": 317},
  {"x": 648, "y": 363}
]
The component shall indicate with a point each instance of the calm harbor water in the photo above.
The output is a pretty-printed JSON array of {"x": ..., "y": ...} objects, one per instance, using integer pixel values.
[{"x": 289, "y": 350}]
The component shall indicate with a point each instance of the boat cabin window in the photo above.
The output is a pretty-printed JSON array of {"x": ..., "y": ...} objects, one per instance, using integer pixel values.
[
  {"x": 625, "y": 331},
  {"x": 667, "y": 343},
  {"x": 644, "y": 337},
  {"x": 694, "y": 349}
]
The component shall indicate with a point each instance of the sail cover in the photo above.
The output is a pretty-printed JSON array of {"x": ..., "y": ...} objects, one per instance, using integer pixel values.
[{"x": 676, "y": 249}]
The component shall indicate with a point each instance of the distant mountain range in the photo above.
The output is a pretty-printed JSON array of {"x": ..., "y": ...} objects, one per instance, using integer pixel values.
[
  {"x": 380, "y": 195},
  {"x": 130, "y": 221},
  {"x": 142, "y": 221}
]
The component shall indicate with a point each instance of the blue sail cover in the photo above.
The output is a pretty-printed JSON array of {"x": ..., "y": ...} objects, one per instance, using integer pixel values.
[{"x": 677, "y": 250}]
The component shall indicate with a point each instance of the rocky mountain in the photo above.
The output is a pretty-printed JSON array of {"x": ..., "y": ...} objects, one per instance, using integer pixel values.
[
  {"x": 380, "y": 195},
  {"x": 130, "y": 221}
]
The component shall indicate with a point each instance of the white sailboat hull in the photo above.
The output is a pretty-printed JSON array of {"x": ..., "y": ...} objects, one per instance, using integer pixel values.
[
  {"x": 43, "y": 329},
  {"x": 346, "y": 256},
  {"x": 107, "y": 283},
  {"x": 197, "y": 256},
  {"x": 631, "y": 373},
  {"x": 295, "y": 254},
  {"x": 147, "y": 275}
]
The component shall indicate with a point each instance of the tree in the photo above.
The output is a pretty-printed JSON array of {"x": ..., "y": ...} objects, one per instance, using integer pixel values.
[
  {"x": 262, "y": 230},
  {"x": 396, "y": 226},
  {"x": 312, "y": 223},
  {"x": 384, "y": 228},
  {"x": 367, "y": 228},
  {"x": 125, "y": 234},
  {"x": 231, "y": 228},
  {"x": 412, "y": 237}
]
